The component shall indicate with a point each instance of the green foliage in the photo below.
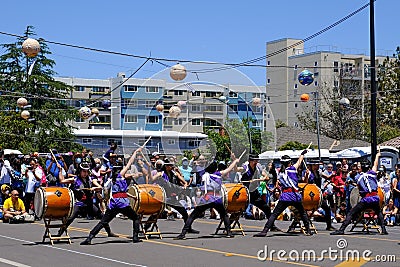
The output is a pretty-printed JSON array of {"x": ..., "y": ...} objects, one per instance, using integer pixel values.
[
  {"x": 279, "y": 124},
  {"x": 294, "y": 145},
  {"x": 50, "y": 128}
]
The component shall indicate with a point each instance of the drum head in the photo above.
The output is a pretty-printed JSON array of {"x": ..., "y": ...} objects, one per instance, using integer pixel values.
[
  {"x": 134, "y": 202},
  {"x": 39, "y": 203},
  {"x": 71, "y": 203},
  {"x": 224, "y": 194},
  {"x": 354, "y": 197}
]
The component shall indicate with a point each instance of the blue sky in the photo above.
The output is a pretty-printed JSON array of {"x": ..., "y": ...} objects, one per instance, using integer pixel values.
[{"x": 219, "y": 31}]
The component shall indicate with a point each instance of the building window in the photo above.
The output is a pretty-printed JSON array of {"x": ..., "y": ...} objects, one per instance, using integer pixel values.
[
  {"x": 295, "y": 67},
  {"x": 268, "y": 81},
  {"x": 233, "y": 94},
  {"x": 268, "y": 63},
  {"x": 295, "y": 105},
  {"x": 196, "y": 122},
  {"x": 79, "y": 88},
  {"x": 86, "y": 141},
  {"x": 233, "y": 107},
  {"x": 80, "y": 103},
  {"x": 295, "y": 85},
  {"x": 211, "y": 123},
  {"x": 196, "y": 108},
  {"x": 316, "y": 83},
  {"x": 171, "y": 141},
  {"x": 336, "y": 84},
  {"x": 168, "y": 121},
  {"x": 115, "y": 141},
  {"x": 98, "y": 89},
  {"x": 178, "y": 92},
  {"x": 152, "y": 119},
  {"x": 335, "y": 66},
  {"x": 194, "y": 143},
  {"x": 211, "y": 94},
  {"x": 130, "y": 88},
  {"x": 196, "y": 93},
  {"x": 268, "y": 116},
  {"x": 296, "y": 124},
  {"x": 315, "y": 63},
  {"x": 128, "y": 102},
  {"x": 131, "y": 119},
  {"x": 180, "y": 121},
  {"x": 213, "y": 108},
  {"x": 152, "y": 89},
  {"x": 149, "y": 104}
]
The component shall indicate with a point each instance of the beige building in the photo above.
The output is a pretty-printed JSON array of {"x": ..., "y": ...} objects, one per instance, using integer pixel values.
[{"x": 332, "y": 70}]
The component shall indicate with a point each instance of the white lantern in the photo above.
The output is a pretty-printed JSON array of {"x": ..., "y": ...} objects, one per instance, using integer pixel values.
[
  {"x": 177, "y": 72},
  {"x": 95, "y": 111},
  {"x": 256, "y": 101},
  {"x": 181, "y": 103},
  {"x": 174, "y": 111},
  {"x": 85, "y": 112},
  {"x": 22, "y": 102},
  {"x": 31, "y": 47},
  {"x": 160, "y": 107},
  {"x": 25, "y": 114}
]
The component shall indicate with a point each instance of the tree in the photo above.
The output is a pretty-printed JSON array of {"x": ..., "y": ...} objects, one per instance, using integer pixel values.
[
  {"x": 335, "y": 120},
  {"x": 236, "y": 137},
  {"x": 46, "y": 97},
  {"x": 388, "y": 101}
]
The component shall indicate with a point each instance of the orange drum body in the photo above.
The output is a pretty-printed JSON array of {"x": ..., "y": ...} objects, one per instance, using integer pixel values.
[
  {"x": 355, "y": 197},
  {"x": 312, "y": 196},
  {"x": 54, "y": 202},
  {"x": 235, "y": 197},
  {"x": 149, "y": 199}
]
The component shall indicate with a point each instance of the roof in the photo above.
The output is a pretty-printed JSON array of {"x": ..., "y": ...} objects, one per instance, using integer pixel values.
[
  {"x": 287, "y": 134},
  {"x": 392, "y": 142},
  {"x": 134, "y": 133}
]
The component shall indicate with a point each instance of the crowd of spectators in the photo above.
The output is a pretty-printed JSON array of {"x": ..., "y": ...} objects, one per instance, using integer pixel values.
[{"x": 20, "y": 176}]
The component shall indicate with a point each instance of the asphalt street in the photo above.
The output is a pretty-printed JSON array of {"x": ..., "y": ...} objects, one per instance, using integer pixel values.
[{"x": 21, "y": 245}]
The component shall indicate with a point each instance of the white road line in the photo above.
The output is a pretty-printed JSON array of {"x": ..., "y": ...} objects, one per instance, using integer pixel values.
[
  {"x": 72, "y": 251},
  {"x": 13, "y": 263}
]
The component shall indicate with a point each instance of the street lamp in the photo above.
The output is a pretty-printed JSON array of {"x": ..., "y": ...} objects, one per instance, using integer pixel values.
[
  {"x": 373, "y": 82},
  {"x": 316, "y": 95}
]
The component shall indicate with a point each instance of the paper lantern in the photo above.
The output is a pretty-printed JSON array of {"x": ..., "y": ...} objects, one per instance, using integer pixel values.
[
  {"x": 174, "y": 111},
  {"x": 256, "y": 101},
  {"x": 304, "y": 97},
  {"x": 85, "y": 112},
  {"x": 181, "y": 103},
  {"x": 22, "y": 102},
  {"x": 306, "y": 77},
  {"x": 95, "y": 111},
  {"x": 177, "y": 72},
  {"x": 160, "y": 107},
  {"x": 31, "y": 47},
  {"x": 25, "y": 114},
  {"x": 106, "y": 104}
]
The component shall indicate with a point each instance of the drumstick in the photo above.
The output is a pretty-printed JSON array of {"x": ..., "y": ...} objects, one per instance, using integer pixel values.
[
  {"x": 148, "y": 139},
  {"x": 242, "y": 154},
  {"x": 227, "y": 147},
  {"x": 54, "y": 157},
  {"x": 305, "y": 165}
]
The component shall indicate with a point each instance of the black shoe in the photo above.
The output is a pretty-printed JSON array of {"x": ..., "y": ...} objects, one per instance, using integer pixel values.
[
  {"x": 261, "y": 234},
  {"x": 229, "y": 235},
  {"x": 337, "y": 232},
  {"x": 147, "y": 227},
  {"x": 112, "y": 235},
  {"x": 180, "y": 237},
  {"x": 136, "y": 240},
  {"x": 308, "y": 232},
  {"x": 331, "y": 228},
  {"x": 291, "y": 229},
  {"x": 193, "y": 231},
  {"x": 384, "y": 233},
  {"x": 86, "y": 242}
]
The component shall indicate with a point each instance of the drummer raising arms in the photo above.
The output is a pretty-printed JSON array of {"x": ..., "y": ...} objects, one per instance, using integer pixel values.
[
  {"x": 368, "y": 186},
  {"x": 119, "y": 202},
  {"x": 83, "y": 188},
  {"x": 212, "y": 198},
  {"x": 287, "y": 177}
]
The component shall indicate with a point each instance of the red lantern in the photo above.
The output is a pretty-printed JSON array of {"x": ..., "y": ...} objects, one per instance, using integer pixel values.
[{"x": 304, "y": 97}]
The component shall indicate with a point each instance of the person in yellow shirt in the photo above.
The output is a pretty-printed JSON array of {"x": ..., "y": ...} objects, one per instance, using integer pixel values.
[{"x": 13, "y": 206}]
